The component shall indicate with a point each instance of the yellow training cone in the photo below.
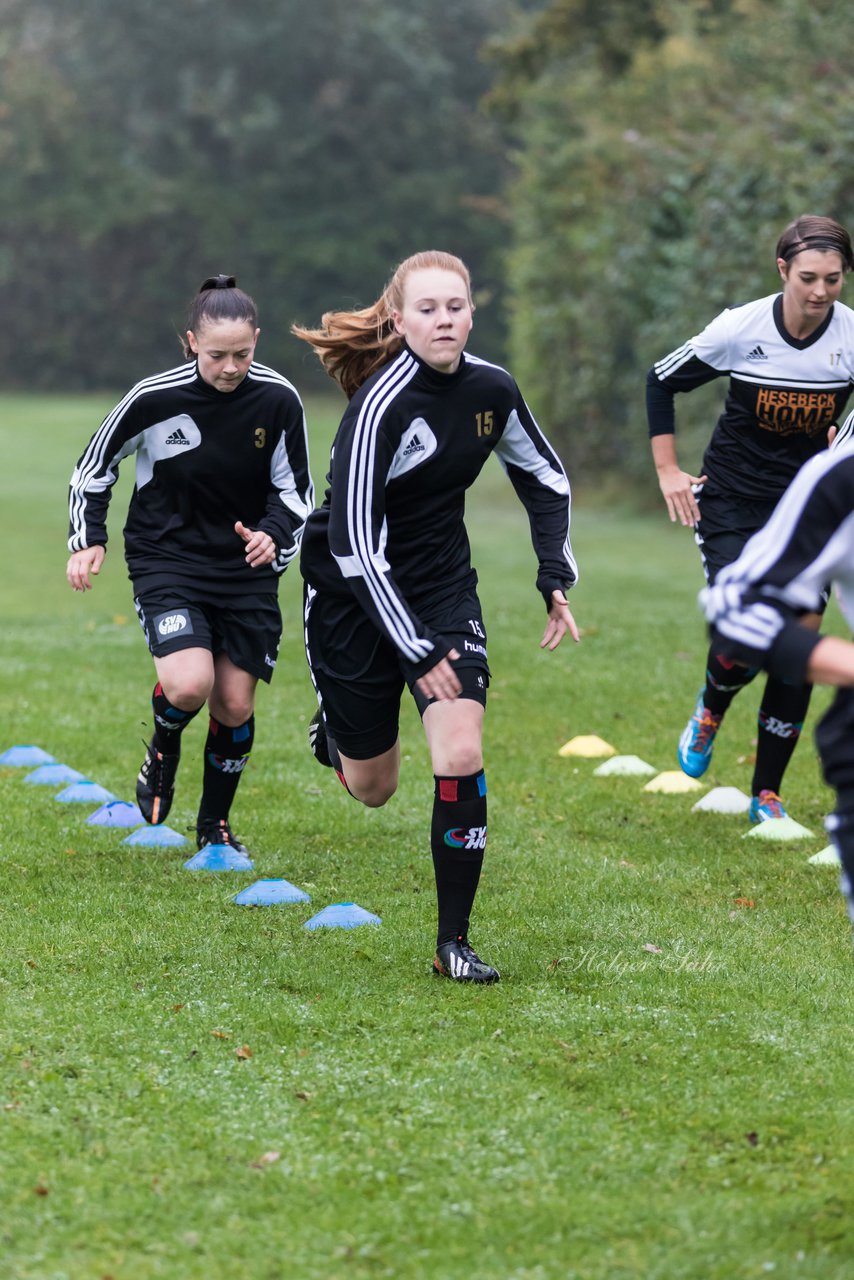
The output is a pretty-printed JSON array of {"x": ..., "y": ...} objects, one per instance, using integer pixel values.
[
  {"x": 589, "y": 746},
  {"x": 673, "y": 782}
]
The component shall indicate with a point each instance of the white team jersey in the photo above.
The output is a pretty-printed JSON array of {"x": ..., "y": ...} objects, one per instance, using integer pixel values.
[
  {"x": 792, "y": 384},
  {"x": 784, "y": 393}
]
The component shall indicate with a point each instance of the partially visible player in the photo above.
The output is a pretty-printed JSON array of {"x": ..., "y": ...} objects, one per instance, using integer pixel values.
[
  {"x": 789, "y": 358},
  {"x": 391, "y": 595},
  {"x": 756, "y": 609},
  {"x": 221, "y": 498}
]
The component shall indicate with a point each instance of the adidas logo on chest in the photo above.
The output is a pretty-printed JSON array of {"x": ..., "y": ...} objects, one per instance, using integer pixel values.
[
  {"x": 417, "y": 444},
  {"x": 414, "y": 446},
  {"x": 756, "y": 354},
  {"x": 177, "y": 438}
]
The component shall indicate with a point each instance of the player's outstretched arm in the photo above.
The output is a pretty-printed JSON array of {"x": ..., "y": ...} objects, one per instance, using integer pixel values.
[
  {"x": 560, "y": 621},
  {"x": 260, "y": 547},
  {"x": 83, "y": 563}
]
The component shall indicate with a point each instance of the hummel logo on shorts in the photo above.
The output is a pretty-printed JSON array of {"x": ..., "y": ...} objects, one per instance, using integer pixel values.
[{"x": 178, "y": 437}]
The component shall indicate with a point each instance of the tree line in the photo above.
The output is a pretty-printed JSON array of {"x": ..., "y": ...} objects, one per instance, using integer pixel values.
[
  {"x": 613, "y": 171},
  {"x": 304, "y": 148}
]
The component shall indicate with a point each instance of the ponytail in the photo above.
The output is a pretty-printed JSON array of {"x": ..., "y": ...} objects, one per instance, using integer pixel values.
[{"x": 351, "y": 345}]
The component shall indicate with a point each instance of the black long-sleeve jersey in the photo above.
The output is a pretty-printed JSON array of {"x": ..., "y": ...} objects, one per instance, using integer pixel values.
[
  {"x": 782, "y": 571},
  {"x": 783, "y": 393},
  {"x": 391, "y": 528},
  {"x": 204, "y": 459}
]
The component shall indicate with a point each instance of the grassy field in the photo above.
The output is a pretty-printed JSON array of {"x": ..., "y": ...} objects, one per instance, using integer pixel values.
[{"x": 658, "y": 1088}]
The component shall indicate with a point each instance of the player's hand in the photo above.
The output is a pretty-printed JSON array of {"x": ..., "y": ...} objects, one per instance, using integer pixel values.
[
  {"x": 676, "y": 489},
  {"x": 560, "y": 621},
  {"x": 81, "y": 564},
  {"x": 441, "y": 681},
  {"x": 260, "y": 547}
]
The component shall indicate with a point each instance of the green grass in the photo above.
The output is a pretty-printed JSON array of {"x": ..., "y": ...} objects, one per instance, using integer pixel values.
[{"x": 607, "y": 1112}]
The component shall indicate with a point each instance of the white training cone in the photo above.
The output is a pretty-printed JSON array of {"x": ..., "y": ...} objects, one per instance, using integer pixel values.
[
  {"x": 723, "y": 800},
  {"x": 623, "y": 767},
  {"x": 778, "y": 829},
  {"x": 825, "y": 857},
  {"x": 673, "y": 782},
  {"x": 587, "y": 745}
]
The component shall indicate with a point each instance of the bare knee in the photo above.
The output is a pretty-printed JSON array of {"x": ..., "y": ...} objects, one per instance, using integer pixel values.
[
  {"x": 187, "y": 692},
  {"x": 458, "y": 760},
  {"x": 186, "y": 677},
  {"x": 372, "y": 794},
  {"x": 373, "y": 782},
  {"x": 231, "y": 710}
]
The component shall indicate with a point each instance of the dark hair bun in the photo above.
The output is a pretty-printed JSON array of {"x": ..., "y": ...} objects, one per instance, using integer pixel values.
[{"x": 217, "y": 282}]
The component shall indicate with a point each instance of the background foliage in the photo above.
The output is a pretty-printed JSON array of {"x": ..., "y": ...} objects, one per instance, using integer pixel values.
[
  {"x": 614, "y": 172},
  {"x": 662, "y": 147},
  {"x": 306, "y": 148}
]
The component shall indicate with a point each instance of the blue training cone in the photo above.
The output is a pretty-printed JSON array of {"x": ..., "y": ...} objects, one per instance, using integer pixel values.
[
  {"x": 341, "y": 915},
  {"x": 266, "y": 893},
  {"x": 54, "y": 775},
  {"x": 84, "y": 792},
  {"x": 116, "y": 813},
  {"x": 154, "y": 838},
  {"x": 21, "y": 756},
  {"x": 219, "y": 857}
]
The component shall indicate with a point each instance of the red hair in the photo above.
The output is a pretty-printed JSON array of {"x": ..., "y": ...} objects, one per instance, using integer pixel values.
[{"x": 351, "y": 345}]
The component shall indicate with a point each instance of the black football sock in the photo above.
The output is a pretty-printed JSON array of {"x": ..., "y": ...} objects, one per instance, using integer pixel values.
[
  {"x": 458, "y": 839},
  {"x": 226, "y": 752},
  {"x": 781, "y": 718},
  {"x": 724, "y": 679},
  {"x": 169, "y": 723}
]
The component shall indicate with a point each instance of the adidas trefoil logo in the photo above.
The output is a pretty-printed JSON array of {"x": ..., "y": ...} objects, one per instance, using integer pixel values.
[
  {"x": 756, "y": 354},
  {"x": 178, "y": 437},
  {"x": 414, "y": 446}
]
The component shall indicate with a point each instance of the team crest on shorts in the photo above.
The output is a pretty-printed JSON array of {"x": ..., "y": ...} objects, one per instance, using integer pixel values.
[{"x": 176, "y": 622}]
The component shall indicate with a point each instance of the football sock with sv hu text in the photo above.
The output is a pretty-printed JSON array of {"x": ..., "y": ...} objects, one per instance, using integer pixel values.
[
  {"x": 226, "y": 752},
  {"x": 458, "y": 841}
]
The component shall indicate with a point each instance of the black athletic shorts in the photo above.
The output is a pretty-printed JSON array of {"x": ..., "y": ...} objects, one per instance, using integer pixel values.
[
  {"x": 246, "y": 628},
  {"x": 726, "y": 524},
  {"x": 357, "y": 672}
]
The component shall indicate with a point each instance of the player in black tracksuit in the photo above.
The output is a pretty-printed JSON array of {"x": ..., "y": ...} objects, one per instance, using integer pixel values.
[
  {"x": 755, "y": 606},
  {"x": 391, "y": 595},
  {"x": 222, "y": 493},
  {"x": 789, "y": 358}
]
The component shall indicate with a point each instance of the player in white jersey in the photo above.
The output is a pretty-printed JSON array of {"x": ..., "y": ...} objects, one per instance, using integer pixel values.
[
  {"x": 391, "y": 594},
  {"x": 756, "y": 607},
  {"x": 789, "y": 358}
]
